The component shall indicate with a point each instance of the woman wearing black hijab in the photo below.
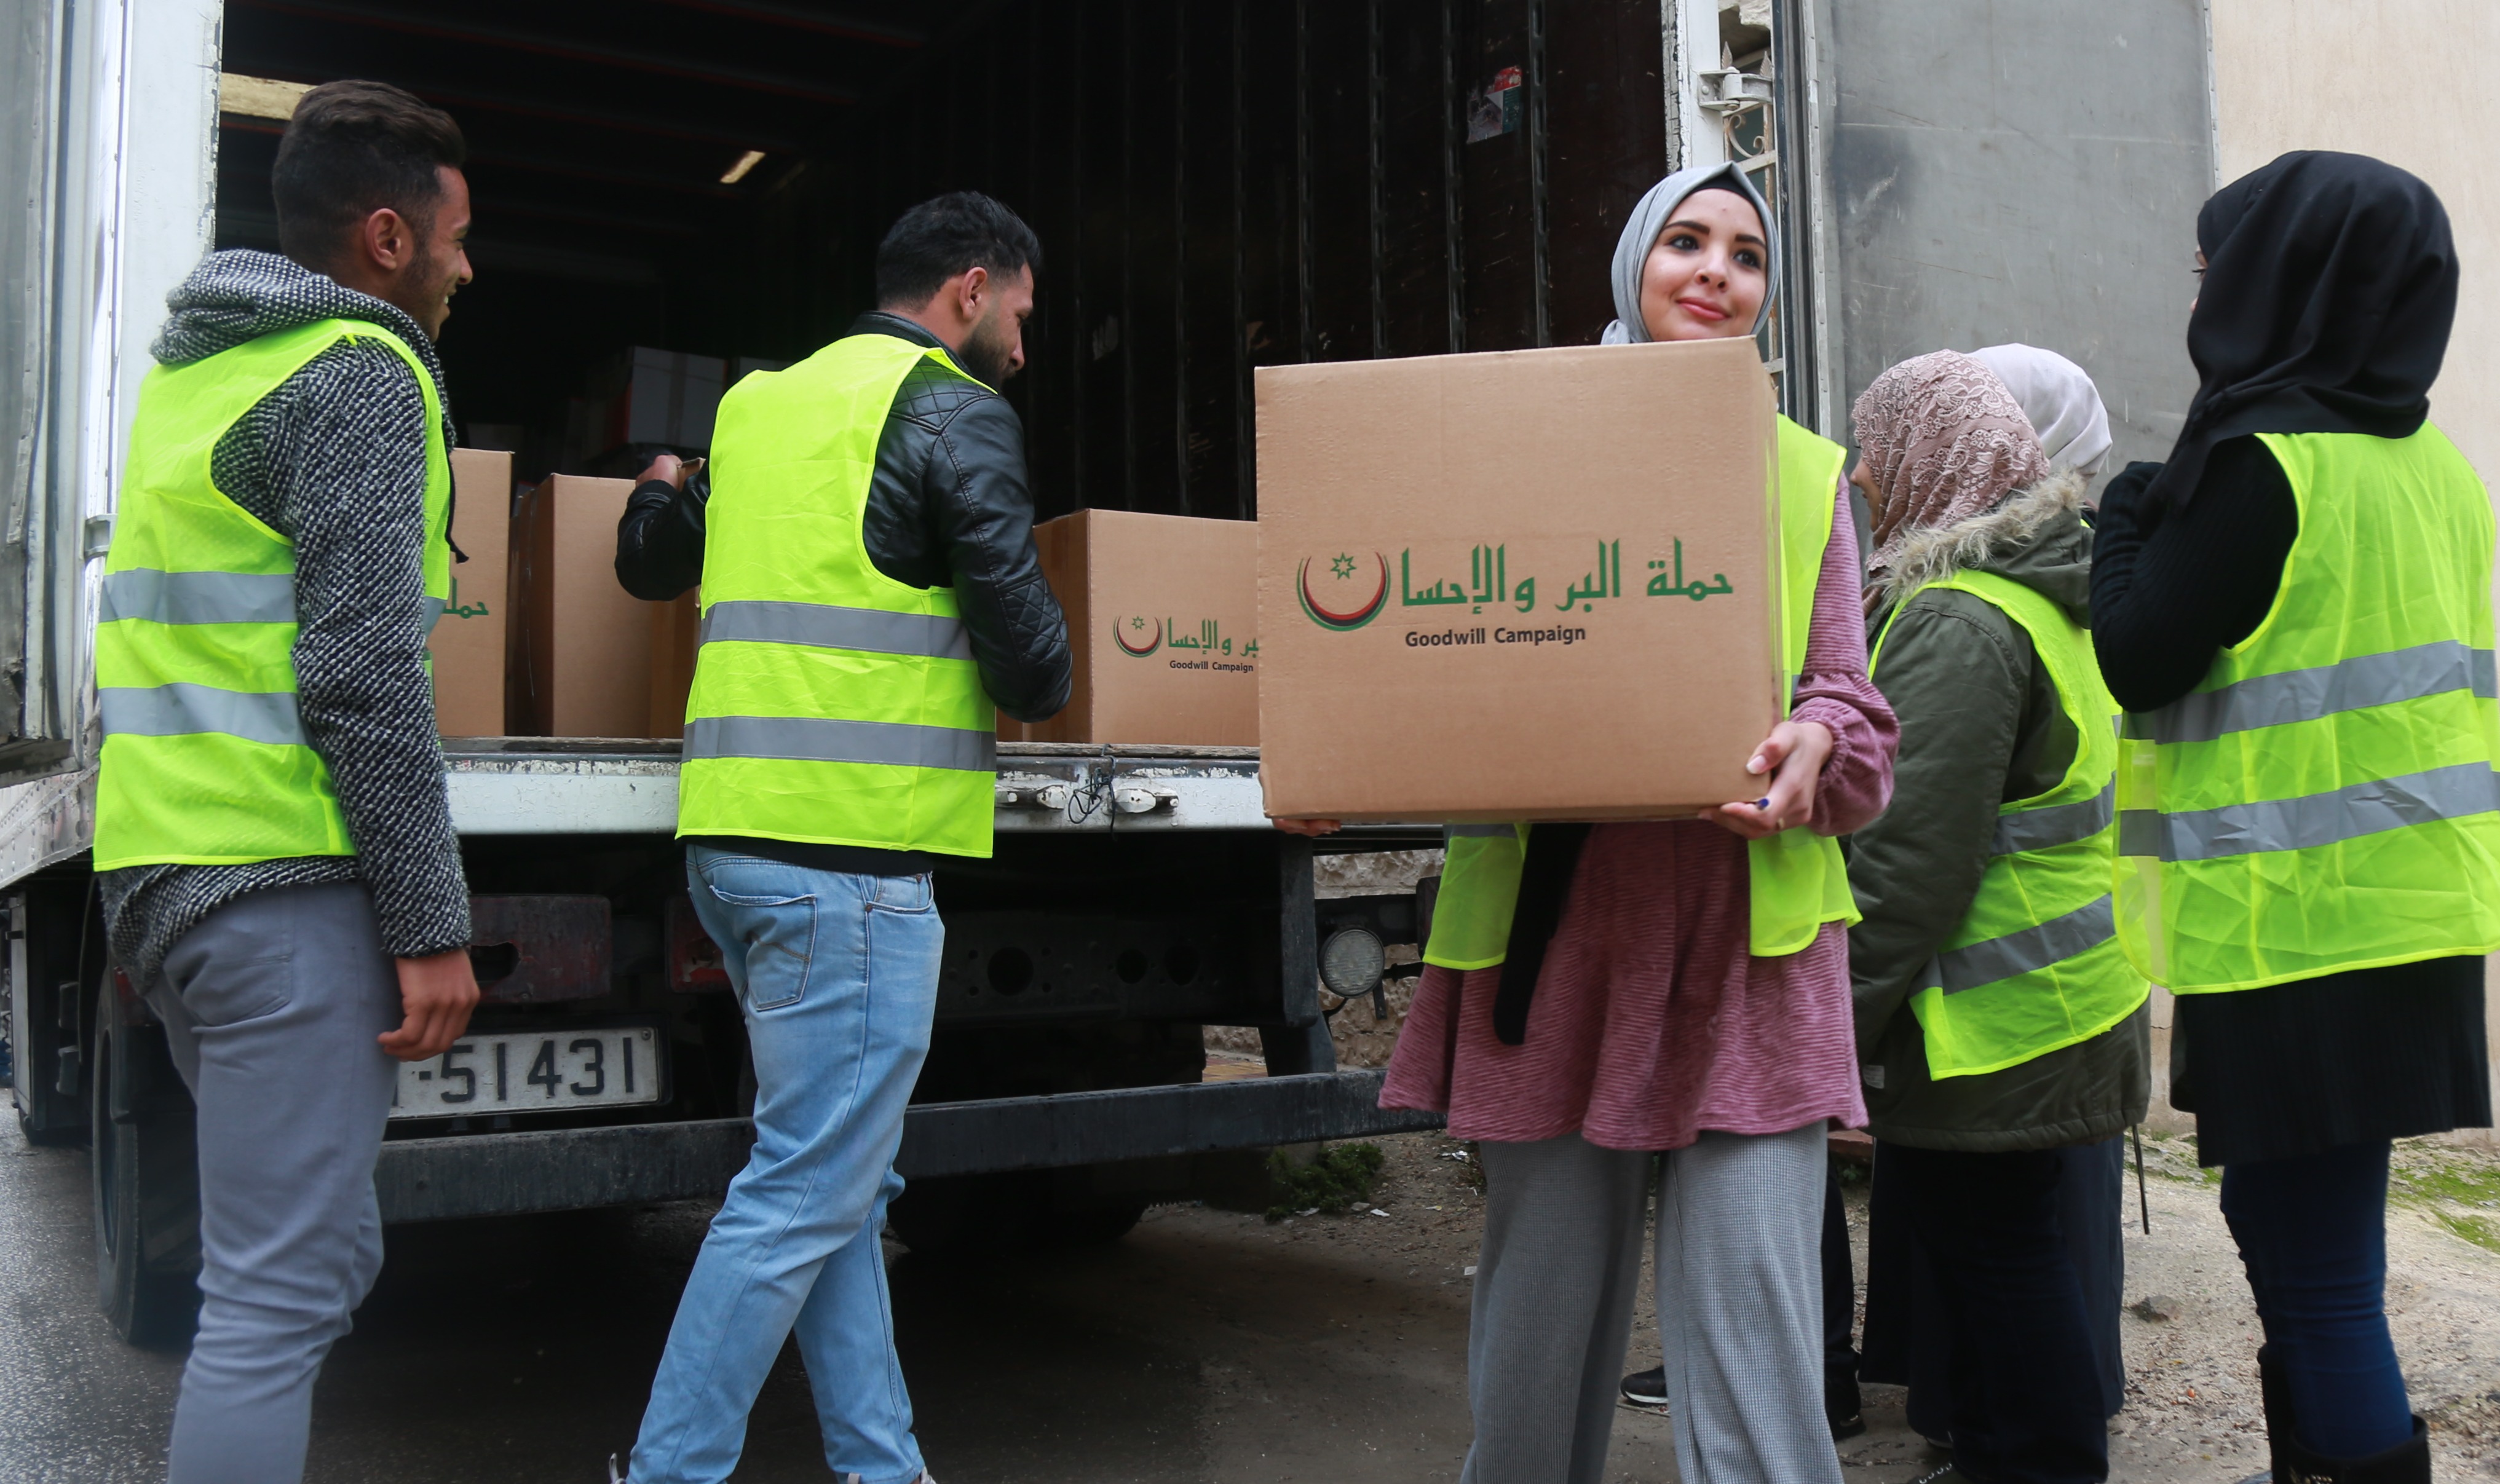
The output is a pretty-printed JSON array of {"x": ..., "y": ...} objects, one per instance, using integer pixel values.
[{"x": 2296, "y": 610}]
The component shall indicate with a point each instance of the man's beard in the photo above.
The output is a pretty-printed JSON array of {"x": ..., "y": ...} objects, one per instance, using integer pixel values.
[
  {"x": 430, "y": 277},
  {"x": 988, "y": 352}
]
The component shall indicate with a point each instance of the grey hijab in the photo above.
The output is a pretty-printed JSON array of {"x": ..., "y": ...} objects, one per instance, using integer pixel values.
[
  {"x": 1650, "y": 217},
  {"x": 2059, "y": 397}
]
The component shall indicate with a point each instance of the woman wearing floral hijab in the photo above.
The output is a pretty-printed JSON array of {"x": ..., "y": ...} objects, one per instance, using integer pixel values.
[
  {"x": 2000, "y": 1027},
  {"x": 1632, "y": 1005},
  {"x": 1907, "y": 1339}
]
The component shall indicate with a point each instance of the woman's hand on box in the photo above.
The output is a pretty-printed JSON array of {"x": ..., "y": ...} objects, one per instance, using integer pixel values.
[
  {"x": 1313, "y": 827},
  {"x": 1793, "y": 756}
]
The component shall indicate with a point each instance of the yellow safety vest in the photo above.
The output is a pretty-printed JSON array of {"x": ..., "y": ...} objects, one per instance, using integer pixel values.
[
  {"x": 832, "y": 705},
  {"x": 205, "y": 760},
  {"x": 1797, "y": 879},
  {"x": 2036, "y": 964},
  {"x": 2325, "y": 799}
]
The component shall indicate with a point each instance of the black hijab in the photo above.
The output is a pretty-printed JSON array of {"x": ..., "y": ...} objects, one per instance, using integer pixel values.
[{"x": 2330, "y": 284}]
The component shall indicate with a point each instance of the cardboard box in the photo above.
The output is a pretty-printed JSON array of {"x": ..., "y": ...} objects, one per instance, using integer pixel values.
[
  {"x": 582, "y": 653},
  {"x": 468, "y": 641},
  {"x": 1163, "y": 616},
  {"x": 1536, "y": 584},
  {"x": 675, "y": 628}
]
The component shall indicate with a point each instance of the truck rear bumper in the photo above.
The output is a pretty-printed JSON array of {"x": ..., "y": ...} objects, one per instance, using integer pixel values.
[{"x": 495, "y": 1174}]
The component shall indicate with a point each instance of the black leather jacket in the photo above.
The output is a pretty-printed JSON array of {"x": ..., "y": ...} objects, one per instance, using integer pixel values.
[{"x": 946, "y": 507}]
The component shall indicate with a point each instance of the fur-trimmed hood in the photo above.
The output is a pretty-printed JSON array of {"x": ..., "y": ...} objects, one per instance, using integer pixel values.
[{"x": 2035, "y": 536}]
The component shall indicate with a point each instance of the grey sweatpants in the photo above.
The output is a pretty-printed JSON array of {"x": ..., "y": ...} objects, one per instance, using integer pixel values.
[
  {"x": 271, "y": 1006},
  {"x": 1739, "y": 1304}
]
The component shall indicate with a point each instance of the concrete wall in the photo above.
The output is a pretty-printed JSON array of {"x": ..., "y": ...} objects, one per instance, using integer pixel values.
[
  {"x": 2019, "y": 170},
  {"x": 2410, "y": 82}
]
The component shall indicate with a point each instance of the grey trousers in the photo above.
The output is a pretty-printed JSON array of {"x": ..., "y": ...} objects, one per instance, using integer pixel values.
[
  {"x": 271, "y": 1006},
  {"x": 1739, "y": 1303}
]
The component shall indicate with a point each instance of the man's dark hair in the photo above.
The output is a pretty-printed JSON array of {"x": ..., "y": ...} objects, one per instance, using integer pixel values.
[
  {"x": 352, "y": 148},
  {"x": 947, "y": 235}
]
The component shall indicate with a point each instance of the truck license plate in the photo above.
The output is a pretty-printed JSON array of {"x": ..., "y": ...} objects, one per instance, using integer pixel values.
[{"x": 533, "y": 1071}]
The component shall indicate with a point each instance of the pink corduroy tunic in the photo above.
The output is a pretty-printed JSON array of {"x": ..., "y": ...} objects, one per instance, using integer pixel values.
[{"x": 1652, "y": 1023}]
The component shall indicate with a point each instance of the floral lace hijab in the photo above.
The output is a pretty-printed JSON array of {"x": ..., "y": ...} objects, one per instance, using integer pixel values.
[{"x": 1944, "y": 441}]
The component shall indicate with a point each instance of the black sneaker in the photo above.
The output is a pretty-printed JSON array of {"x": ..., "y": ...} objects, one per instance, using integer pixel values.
[{"x": 1646, "y": 1389}]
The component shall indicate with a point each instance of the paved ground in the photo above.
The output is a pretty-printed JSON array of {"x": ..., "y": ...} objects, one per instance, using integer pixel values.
[{"x": 1206, "y": 1348}]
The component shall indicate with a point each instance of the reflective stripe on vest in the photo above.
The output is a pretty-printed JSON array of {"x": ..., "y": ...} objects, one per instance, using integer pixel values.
[
  {"x": 1796, "y": 880},
  {"x": 824, "y": 626},
  {"x": 2325, "y": 799},
  {"x": 823, "y": 739},
  {"x": 198, "y": 597},
  {"x": 831, "y": 704},
  {"x": 2459, "y": 791},
  {"x": 2061, "y": 824},
  {"x": 2034, "y": 965},
  {"x": 2349, "y": 685},
  {"x": 180, "y": 710},
  {"x": 2054, "y": 942},
  {"x": 205, "y": 758}
]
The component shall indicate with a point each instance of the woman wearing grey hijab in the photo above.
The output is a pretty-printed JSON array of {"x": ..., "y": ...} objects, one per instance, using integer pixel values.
[{"x": 1651, "y": 999}]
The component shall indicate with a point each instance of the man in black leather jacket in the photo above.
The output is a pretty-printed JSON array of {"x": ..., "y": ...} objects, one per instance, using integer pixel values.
[
  {"x": 949, "y": 504},
  {"x": 833, "y": 948}
]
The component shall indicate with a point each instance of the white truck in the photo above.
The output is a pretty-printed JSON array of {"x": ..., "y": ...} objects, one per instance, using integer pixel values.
[{"x": 1218, "y": 184}]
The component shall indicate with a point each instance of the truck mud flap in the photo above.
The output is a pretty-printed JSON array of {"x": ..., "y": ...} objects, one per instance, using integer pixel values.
[{"x": 491, "y": 1174}]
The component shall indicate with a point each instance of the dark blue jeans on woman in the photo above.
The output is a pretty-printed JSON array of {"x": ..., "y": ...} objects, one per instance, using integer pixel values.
[{"x": 2312, "y": 1231}]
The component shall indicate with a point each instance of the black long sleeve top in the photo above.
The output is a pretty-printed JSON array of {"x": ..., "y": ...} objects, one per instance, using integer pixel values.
[{"x": 2171, "y": 587}]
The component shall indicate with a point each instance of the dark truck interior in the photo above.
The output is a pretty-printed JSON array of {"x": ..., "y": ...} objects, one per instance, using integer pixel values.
[{"x": 1218, "y": 184}]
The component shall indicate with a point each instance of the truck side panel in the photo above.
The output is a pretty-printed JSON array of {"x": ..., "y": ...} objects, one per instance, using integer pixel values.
[
  {"x": 116, "y": 166},
  {"x": 2021, "y": 172}
]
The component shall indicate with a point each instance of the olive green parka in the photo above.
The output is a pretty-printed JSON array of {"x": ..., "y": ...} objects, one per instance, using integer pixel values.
[{"x": 1981, "y": 726}]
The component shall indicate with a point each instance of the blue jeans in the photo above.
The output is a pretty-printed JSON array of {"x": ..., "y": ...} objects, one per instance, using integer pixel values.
[
  {"x": 2313, "y": 1233},
  {"x": 837, "y": 977}
]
